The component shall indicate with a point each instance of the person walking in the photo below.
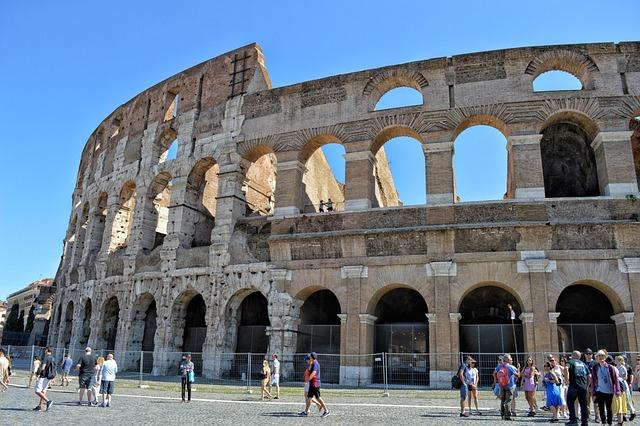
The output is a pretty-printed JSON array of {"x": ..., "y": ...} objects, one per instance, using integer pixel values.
[
  {"x": 472, "y": 377},
  {"x": 626, "y": 382},
  {"x": 552, "y": 387},
  {"x": 314, "y": 384},
  {"x": 590, "y": 362},
  {"x": 47, "y": 372},
  {"x": 65, "y": 365},
  {"x": 604, "y": 381},
  {"x": 307, "y": 400},
  {"x": 577, "y": 377},
  {"x": 275, "y": 376},
  {"x": 85, "y": 368},
  {"x": 107, "y": 384},
  {"x": 266, "y": 377},
  {"x": 35, "y": 367},
  {"x": 187, "y": 378},
  {"x": 505, "y": 375},
  {"x": 96, "y": 381},
  {"x": 529, "y": 384},
  {"x": 4, "y": 371}
]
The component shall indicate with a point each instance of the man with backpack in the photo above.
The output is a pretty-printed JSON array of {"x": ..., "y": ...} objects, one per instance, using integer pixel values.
[
  {"x": 46, "y": 373},
  {"x": 577, "y": 376},
  {"x": 505, "y": 376}
]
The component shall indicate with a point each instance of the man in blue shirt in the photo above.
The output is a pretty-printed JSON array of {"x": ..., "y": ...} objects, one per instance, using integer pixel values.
[
  {"x": 505, "y": 375},
  {"x": 67, "y": 363}
]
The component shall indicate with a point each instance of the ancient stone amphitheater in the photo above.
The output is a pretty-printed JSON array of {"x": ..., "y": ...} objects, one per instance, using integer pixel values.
[{"x": 222, "y": 249}]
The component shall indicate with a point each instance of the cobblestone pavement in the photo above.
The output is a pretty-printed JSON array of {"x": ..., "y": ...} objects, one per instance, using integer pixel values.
[{"x": 163, "y": 406}]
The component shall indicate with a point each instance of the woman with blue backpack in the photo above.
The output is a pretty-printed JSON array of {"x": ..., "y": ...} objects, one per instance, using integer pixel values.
[{"x": 188, "y": 376}]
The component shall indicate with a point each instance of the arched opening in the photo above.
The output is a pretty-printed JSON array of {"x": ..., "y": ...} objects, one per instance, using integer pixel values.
[
  {"x": 400, "y": 171},
  {"x": 109, "y": 329},
  {"x": 143, "y": 331},
  {"x": 634, "y": 126},
  {"x": 97, "y": 227},
  {"x": 402, "y": 331},
  {"x": 568, "y": 162},
  {"x": 259, "y": 185},
  {"x": 400, "y": 97},
  {"x": 252, "y": 326},
  {"x": 585, "y": 320},
  {"x": 123, "y": 220},
  {"x": 555, "y": 80},
  {"x": 480, "y": 164},
  {"x": 70, "y": 242},
  {"x": 78, "y": 247},
  {"x": 86, "y": 325},
  {"x": 67, "y": 326},
  {"x": 170, "y": 152},
  {"x": 200, "y": 199},
  {"x": 322, "y": 186},
  {"x": 189, "y": 327},
  {"x": 156, "y": 214}
]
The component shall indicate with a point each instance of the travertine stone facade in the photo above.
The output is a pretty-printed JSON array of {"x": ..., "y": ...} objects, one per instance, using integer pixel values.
[{"x": 234, "y": 213}]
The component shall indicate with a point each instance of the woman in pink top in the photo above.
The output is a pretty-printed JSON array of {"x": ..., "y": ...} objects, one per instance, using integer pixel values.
[{"x": 529, "y": 378}]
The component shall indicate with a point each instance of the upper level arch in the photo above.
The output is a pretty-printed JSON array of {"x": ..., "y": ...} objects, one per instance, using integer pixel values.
[
  {"x": 385, "y": 81},
  {"x": 574, "y": 62}
]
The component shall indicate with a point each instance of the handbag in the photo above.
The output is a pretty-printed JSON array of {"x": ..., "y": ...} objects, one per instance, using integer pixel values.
[{"x": 191, "y": 376}]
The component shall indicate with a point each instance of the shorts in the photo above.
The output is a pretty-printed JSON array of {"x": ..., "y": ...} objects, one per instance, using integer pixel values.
[
  {"x": 107, "y": 387},
  {"x": 41, "y": 384},
  {"x": 275, "y": 380},
  {"x": 464, "y": 390},
  {"x": 84, "y": 381},
  {"x": 313, "y": 392},
  {"x": 66, "y": 371}
]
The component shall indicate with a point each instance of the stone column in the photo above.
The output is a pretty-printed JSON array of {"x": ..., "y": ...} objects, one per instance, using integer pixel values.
[
  {"x": 614, "y": 159},
  {"x": 367, "y": 335},
  {"x": 528, "y": 332},
  {"x": 626, "y": 330},
  {"x": 631, "y": 267},
  {"x": 180, "y": 226},
  {"x": 440, "y": 178},
  {"x": 553, "y": 330},
  {"x": 526, "y": 179},
  {"x": 284, "y": 315},
  {"x": 442, "y": 273},
  {"x": 453, "y": 360},
  {"x": 289, "y": 188},
  {"x": 353, "y": 369},
  {"x": 537, "y": 266},
  {"x": 360, "y": 190}
]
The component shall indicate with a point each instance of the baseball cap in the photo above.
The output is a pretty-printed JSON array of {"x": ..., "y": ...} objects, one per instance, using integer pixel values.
[
  {"x": 314, "y": 355},
  {"x": 588, "y": 351},
  {"x": 307, "y": 357}
]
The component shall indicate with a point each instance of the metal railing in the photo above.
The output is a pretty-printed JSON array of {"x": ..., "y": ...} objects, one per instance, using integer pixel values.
[{"x": 382, "y": 371}]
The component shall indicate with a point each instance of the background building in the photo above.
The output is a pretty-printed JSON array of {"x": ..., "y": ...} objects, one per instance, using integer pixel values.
[
  {"x": 196, "y": 224},
  {"x": 28, "y": 314}
]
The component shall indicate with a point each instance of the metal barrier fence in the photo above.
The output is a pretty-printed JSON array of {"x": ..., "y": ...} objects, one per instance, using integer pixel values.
[{"x": 379, "y": 371}]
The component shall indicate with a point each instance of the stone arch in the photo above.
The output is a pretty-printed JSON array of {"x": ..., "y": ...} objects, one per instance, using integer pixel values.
[
  {"x": 110, "y": 318},
  {"x": 386, "y": 134},
  {"x": 568, "y": 160},
  {"x": 384, "y": 81},
  {"x": 142, "y": 334},
  {"x": 67, "y": 326},
  {"x": 164, "y": 142},
  {"x": 188, "y": 322},
  {"x": 482, "y": 120},
  {"x": 486, "y": 324},
  {"x": 200, "y": 197},
  {"x": 380, "y": 292},
  {"x": 319, "y": 183},
  {"x": 608, "y": 291},
  {"x": 319, "y": 329},
  {"x": 574, "y": 62},
  {"x": 259, "y": 186},
  {"x": 123, "y": 220},
  {"x": 586, "y": 309},
  {"x": 85, "y": 331},
  {"x": 156, "y": 211}
]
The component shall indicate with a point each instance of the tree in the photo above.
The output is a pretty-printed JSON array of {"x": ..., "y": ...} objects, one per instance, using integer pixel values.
[
  {"x": 30, "y": 318},
  {"x": 12, "y": 323}
]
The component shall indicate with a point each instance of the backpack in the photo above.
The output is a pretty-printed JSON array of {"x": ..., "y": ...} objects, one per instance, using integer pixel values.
[
  {"x": 50, "y": 371},
  {"x": 456, "y": 383},
  {"x": 503, "y": 376}
]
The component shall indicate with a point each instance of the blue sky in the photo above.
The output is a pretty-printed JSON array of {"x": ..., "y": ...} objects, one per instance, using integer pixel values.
[{"x": 66, "y": 65}]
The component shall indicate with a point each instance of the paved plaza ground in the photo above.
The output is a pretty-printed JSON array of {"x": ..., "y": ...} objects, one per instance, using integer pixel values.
[{"x": 160, "y": 404}]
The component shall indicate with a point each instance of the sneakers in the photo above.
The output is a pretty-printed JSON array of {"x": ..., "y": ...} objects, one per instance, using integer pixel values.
[
  {"x": 49, "y": 404},
  {"x": 464, "y": 415},
  {"x": 38, "y": 408},
  {"x": 632, "y": 416},
  {"x": 303, "y": 414},
  {"x": 326, "y": 414}
]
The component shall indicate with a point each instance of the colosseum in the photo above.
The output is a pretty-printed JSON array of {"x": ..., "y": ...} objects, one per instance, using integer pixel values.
[{"x": 221, "y": 248}]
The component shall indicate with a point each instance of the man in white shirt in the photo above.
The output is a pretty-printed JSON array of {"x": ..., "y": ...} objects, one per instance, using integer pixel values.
[
  {"x": 109, "y": 371},
  {"x": 4, "y": 371},
  {"x": 275, "y": 376}
]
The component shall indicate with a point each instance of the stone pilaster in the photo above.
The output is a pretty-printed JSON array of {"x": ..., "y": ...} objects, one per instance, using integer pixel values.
[
  {"x": 626, "y": 330},
  {"x": 354, "y": 331},
  {"x": 614, "y": 159},
  {"x": 289, "y": 188},
  {"x": 553, "y": 331},
  {"x": 528, "y": 332},
  {"x": 284, "y": 315},
  {"x": 526, "y": 179},
  {"x": 536, "y": 266},
  {"x": 631, "y": 267},
  {"x": 360, "y": 180},
  {"x": 440, "y": 177}
]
